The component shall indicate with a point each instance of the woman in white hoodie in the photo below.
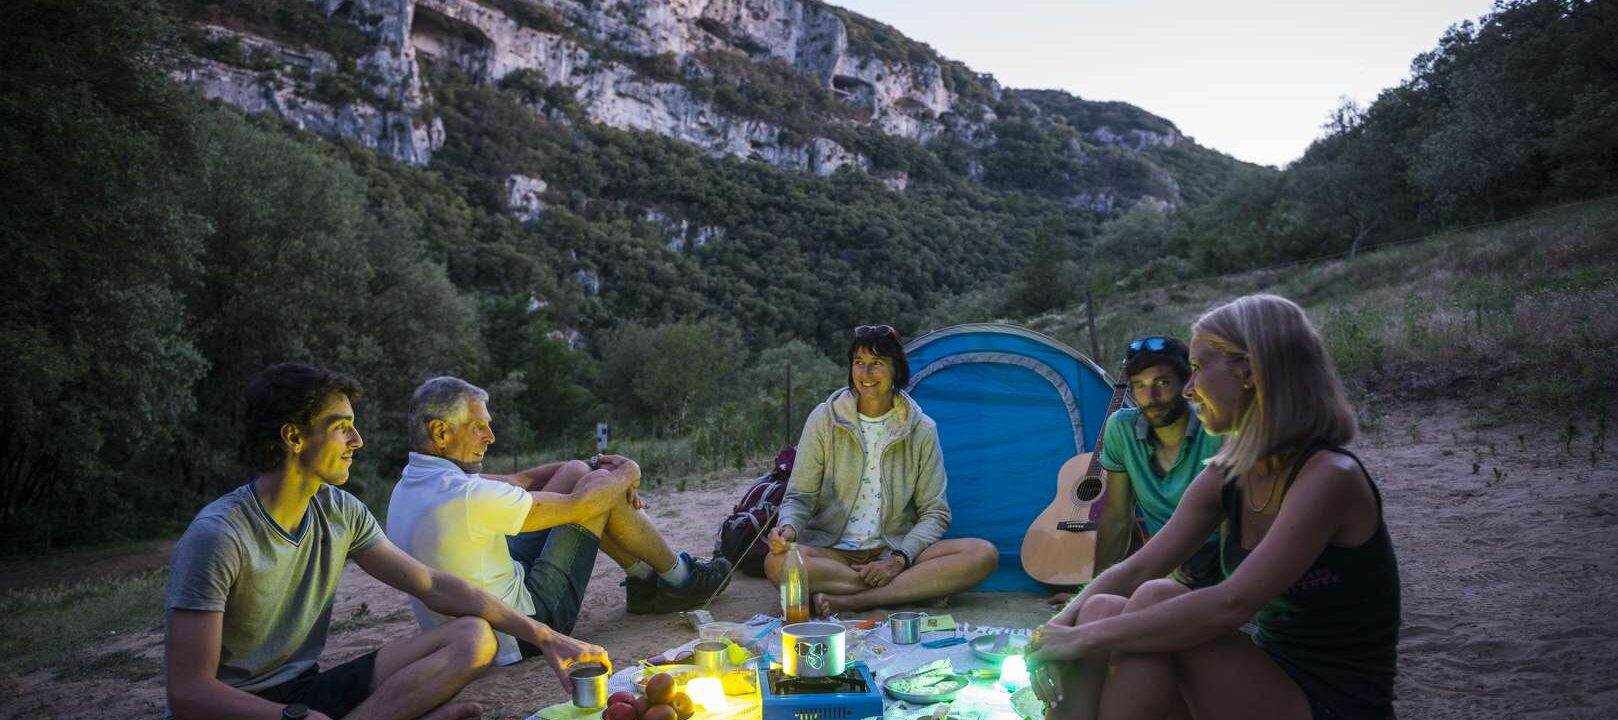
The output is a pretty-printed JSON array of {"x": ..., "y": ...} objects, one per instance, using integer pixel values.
[{"x": 866, "y": 499}]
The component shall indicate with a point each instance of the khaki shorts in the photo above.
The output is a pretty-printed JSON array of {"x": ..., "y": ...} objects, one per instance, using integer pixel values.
[{"x": 855, "y": 557}]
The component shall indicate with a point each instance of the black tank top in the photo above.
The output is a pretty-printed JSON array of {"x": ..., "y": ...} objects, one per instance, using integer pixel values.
[{"x": 1336, "y": 630}]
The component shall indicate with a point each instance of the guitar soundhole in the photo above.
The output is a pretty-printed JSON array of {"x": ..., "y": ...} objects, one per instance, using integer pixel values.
[{"x": 1088, "y": 489}]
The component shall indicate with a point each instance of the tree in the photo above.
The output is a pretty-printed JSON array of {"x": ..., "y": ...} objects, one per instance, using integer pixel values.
[
  {"x": 1050, "y": 278},
  {"x": 661, "y": 376},
  {"x": 286, "y": 276},
  {"x": 97, "y": 244},
  {"x": 1351, "y": 176},
  {"x": 554, "y": 401}
]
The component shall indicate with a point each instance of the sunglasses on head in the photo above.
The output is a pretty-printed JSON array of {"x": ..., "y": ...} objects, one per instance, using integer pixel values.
[
  {"x": 877, "y": 330},
  {"x": 1156, "y": 343}
]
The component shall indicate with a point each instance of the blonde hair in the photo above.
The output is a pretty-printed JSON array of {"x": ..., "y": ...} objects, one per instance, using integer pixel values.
[{"x": 1298, "y": 399}]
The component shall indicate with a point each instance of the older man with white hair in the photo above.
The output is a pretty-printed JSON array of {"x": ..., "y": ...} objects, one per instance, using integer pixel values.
[{"x": 529, "y": 538}]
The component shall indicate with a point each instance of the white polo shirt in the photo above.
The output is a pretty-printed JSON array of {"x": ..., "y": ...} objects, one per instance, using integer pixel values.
[{"x": 458, "y": 523}]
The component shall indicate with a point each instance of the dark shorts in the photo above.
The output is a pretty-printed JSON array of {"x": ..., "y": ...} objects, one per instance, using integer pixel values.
[
  {"x": 1202, "y": 570},
  {"x": 335, "y": 692},
  {"x": 556, "y": 569},
  {"x": 1324, "y": 703}
]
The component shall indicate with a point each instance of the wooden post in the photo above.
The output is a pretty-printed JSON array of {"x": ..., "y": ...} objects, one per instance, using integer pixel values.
[
  {"x": 787, "y": 423},
  {"x": 1090, "y": 315}
]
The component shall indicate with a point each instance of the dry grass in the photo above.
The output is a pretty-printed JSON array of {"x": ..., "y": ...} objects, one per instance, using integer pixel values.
[
  {"x": 1521, "y": 314},
  {"x": 50, "y": 627}
]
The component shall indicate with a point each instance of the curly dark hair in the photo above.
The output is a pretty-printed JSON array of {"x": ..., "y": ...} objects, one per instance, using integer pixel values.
[
  {"x": 281, "y": 394},
  {"x": 886, "y": 344}
]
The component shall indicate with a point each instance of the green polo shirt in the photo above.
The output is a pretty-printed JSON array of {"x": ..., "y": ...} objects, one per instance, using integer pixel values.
[{"x": 1129, "y": 444}]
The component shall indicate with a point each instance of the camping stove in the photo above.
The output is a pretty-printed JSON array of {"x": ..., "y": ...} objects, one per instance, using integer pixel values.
[{"x": 850, "y": 696}]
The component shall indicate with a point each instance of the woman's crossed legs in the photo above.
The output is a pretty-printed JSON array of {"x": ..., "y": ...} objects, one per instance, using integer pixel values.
[{"x": 1227, "y": 677}]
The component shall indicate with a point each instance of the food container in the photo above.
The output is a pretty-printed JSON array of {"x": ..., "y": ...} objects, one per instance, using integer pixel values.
[{"x": 812, "y": 649}]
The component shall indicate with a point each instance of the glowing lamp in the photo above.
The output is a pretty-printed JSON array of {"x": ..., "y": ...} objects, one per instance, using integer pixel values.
[
  {"x": 1013, "y": 674},
  {"x": 710, "y": 693}
]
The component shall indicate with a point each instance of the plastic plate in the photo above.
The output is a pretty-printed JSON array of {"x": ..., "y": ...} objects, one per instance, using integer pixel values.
[
  {"x": 984, "y": 647},
  {"x": 946, "y": 690},
  {"x": 681, "y": 673},
  {"x": 1027, "y": 705}
]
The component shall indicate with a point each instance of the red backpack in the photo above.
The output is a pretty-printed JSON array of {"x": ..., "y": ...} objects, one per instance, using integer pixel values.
[{"x": 742, "y": 538}]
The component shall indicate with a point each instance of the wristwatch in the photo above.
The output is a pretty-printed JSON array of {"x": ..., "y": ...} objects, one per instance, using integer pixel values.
[
  {"x": 295, "y": 711},
  {"x": 594, "y": 462},
  {"x": 902, "y": 555}
]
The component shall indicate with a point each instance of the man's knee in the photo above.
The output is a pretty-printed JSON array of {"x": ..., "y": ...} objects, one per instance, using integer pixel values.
[
  {"x": 566, "y": 477},
  {"x": 1155, "y": 592},
  {"x": 473, "y": 641}
]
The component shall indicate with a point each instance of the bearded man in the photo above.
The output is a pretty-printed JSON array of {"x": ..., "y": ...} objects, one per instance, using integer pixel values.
[{"x": 1151, "y": 453}]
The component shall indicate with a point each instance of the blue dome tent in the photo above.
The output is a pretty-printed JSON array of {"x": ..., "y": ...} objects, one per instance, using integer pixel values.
[{"x": 1012, "y": 405}]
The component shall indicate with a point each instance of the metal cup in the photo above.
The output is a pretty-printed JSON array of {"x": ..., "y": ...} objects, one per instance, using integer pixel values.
[
  {"x": 710, "y": 656},
  {"x": 589, "y": 685},
  {"x": 905, "y": 627}
]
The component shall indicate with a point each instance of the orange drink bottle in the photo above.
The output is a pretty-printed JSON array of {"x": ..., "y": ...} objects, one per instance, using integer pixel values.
[{"x": 794, "y": 587}]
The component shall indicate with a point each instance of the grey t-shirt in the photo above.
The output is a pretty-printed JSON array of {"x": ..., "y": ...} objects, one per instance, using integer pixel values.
[{"x": 275, "y": 589}]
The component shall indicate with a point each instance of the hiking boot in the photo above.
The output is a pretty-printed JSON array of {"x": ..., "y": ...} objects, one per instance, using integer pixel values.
[
  {"x": 640, "y": 594},
  {"x": 708, "y": 578}
]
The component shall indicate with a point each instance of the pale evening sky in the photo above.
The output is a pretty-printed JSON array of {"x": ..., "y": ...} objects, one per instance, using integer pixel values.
[{"x": 1251, "y": 78}]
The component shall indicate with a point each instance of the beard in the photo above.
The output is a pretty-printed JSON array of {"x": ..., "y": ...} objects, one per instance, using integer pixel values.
[{"x": 1166, "y": 414}]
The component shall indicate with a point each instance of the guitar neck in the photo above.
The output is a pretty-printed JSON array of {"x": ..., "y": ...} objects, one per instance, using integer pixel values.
[{"x": 1094, "y": 470}]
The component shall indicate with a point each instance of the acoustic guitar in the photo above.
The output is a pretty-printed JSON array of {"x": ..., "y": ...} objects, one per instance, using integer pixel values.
[{"x": 1060, "y": 547}]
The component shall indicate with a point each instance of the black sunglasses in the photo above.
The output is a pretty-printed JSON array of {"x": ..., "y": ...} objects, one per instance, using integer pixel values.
[
  {"x": 877, "y": 330},
  {"x": 1156, "y": 343}
]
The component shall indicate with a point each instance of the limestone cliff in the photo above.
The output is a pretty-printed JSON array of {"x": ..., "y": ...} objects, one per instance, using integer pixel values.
[
  {"x": 653, "y": 66},
  {"x": 490, "y": 41}
]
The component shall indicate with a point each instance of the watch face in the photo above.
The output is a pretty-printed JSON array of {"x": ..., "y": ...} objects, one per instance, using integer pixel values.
[{"x": 295, "y": 711}]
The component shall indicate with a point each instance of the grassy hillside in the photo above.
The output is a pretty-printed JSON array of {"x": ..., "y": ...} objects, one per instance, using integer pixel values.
[{"x": 1520, "y": 316}]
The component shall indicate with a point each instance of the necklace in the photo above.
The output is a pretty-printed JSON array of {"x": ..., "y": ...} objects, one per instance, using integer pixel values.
[{"x": 1268, "y": 498}]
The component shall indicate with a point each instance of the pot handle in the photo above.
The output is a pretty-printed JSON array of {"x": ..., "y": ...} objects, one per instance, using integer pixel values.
[{"x": 812, "y": 653}]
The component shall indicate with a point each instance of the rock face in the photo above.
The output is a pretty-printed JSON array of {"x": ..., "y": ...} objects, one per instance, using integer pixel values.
[
  {"x": 651, "y": 66},
  {"x": 523, "y": 196},
  {"x": 1137, "y": 139},
  {"x": 489, "y": 43},
  {"x": 399, "y": 133}
]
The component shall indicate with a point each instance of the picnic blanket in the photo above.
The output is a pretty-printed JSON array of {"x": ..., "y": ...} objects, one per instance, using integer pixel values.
[{"x": 867, "y": 642}]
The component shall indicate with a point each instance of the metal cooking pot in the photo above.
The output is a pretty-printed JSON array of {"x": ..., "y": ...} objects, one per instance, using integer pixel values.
[{"x": 812, "y": 649}]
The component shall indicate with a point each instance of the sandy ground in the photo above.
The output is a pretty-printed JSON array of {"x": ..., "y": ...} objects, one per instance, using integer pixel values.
[{"x": 1507, "y": 540}]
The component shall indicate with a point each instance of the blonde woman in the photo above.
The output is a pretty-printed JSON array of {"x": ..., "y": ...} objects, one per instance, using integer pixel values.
[{"x": 1308, "y": 557}]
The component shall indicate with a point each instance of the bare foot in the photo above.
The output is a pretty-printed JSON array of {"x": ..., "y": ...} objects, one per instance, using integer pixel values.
[
  {"x": 1059, "y": 600},
  {"x": 826, "y": 604},
  {"x": 817, "y": 602},
  {"x": 455, "y": 711}
]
